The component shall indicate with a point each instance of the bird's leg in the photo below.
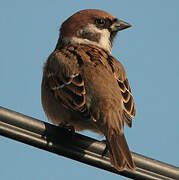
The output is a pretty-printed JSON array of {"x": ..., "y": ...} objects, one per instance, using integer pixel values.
[
  {"x": 67, "y": 127},
  {"x": 106, "y": 148}
]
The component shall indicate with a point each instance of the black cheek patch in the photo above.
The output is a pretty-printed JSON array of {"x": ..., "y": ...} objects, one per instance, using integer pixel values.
[
  {"x": 112, "y": 36},
  {"x": 91, "y": 36}
]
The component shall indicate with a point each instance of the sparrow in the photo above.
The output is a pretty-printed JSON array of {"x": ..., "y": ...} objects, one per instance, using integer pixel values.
[{"x": 85, "y": 87}]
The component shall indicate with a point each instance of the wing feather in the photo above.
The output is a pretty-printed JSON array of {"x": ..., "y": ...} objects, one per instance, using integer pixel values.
[
  {"x": 129, "y": 110},
  {"x": 65, "y": 81}
]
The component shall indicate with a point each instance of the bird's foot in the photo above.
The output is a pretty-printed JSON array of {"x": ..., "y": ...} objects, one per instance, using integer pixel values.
[
  {"x": 67, "y": 127},
  {"x": 106, "y": 150}
]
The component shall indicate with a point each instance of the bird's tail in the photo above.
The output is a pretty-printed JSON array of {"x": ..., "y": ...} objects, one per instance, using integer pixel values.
[{"x": 120, "y": 154}]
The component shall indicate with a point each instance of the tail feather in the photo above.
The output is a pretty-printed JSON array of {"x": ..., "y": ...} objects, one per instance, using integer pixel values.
[
  {"x": 117, "y": 161},
  {"x": 120, "y": 154},
  {"x": 112, "y": 126}
]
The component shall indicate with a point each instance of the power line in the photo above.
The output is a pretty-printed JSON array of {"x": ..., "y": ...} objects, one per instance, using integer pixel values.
[{"x": 78, "y": 147}]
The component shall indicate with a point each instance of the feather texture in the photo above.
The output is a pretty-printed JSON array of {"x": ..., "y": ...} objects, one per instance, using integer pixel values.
[{"x": 85, "y": 87}]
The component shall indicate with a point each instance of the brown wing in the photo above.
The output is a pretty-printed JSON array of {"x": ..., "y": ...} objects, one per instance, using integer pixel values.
[
  {"x": 129, "y": 110},
  {"x": 128, "y": 101},
  {"x": 64, "y": 80}
]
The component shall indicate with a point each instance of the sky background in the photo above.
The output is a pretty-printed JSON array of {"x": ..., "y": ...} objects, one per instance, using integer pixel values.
[{"x": 149, "y": 52}]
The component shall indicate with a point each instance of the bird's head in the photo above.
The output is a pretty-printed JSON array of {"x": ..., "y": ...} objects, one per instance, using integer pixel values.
[{"x": 91, "y": 26}]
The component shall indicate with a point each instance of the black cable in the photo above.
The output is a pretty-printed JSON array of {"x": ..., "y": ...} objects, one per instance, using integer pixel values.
[{"x": 78, "y": 147}]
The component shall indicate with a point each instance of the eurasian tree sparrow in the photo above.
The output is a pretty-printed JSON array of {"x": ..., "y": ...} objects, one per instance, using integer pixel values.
[{"x": 84, "y": 86}]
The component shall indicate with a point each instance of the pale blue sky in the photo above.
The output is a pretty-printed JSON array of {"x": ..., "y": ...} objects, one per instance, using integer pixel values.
[{"x": 149, "y": 51}]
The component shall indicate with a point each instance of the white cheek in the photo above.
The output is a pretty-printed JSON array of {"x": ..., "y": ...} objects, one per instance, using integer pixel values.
[{"x": 103, "y": 43}]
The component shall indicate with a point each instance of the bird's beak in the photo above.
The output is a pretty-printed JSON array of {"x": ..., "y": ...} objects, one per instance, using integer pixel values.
[{"x": 119, "y": 25}]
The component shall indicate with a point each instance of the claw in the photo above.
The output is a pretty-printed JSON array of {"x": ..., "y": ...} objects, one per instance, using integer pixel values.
[
  {"x": 106, "y": 150},
  {"x": 67, "y": 127}
]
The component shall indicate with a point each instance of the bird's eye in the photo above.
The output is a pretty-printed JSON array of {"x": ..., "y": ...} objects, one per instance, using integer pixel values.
[{"x": 100, "y": 21}]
